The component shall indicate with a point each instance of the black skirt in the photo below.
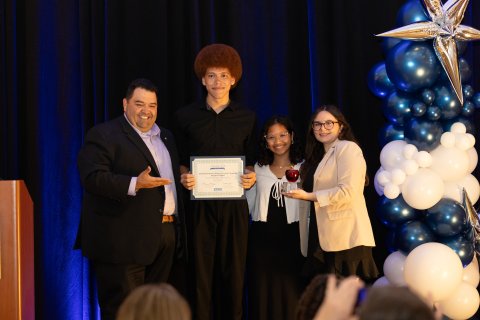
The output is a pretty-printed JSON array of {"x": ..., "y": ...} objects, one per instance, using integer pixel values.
[{"x": 274, "y": 262}]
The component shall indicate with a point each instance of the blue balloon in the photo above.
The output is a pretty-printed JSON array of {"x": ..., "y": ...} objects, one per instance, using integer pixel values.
[
  {"x": 428, "y": 96},
  {"x": 464, "y": 69},
  {"x": 390, "y": 132},
  {"x": 447, "y": 124},
  {"x": 464, "y": 248},
  {"x": 446, "y": 218},
  {"x": 468, "y": 92},
  {"x": 476, "y": 100},
  {"x": 388, "y": 43},
  {"x": 477, "y": 245},
  {"x": 424, "y": 134},
  {"x": 378, "y": 81},
  {"x": 433, "y": 113},
  {"x": 447, "y": 101},
  {"x": 393, "y": 212},
  {"x": 412, "y": 65},
  {"x": 411, "y": 234},
  {"x": 461, "y": 47},
  {"x": 419, "y": 109},
  {"x": 397, "y": 108},
  {"x": 390, "y": 241},
  {"x": 468, "y": 109},
  {"x": 412, "y": 11},
  {"x": 469, "y": 234}
]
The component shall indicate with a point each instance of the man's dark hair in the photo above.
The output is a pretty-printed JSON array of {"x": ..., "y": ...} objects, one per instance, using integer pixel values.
[{"x": 140, "y": 83}]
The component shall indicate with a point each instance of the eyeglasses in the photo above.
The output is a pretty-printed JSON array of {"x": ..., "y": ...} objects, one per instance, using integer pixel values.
[
  {"x": 282, "y": 136},
  {"x": 317, "y": 125},
  {"x": 223, "y": 77}
]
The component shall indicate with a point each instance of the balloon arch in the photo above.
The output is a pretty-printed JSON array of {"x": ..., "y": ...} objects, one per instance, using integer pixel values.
[{"x": 425, "y": 181}]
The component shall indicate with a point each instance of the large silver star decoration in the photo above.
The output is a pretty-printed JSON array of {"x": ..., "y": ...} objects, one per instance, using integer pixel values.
[
  {"x": 472, "y": 215},
  {"x": 444, "y": 29},
  {"x": 473, "y": 219}
]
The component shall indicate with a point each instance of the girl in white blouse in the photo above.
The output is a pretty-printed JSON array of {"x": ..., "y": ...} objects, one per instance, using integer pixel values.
[{"x": 274, "y": 258}]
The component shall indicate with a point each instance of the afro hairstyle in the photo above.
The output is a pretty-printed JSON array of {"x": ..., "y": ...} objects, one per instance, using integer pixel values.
[{"x": 218, "y": 55}]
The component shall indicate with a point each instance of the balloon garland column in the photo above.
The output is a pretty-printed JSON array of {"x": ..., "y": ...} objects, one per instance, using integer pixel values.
[{"x": 425, "y": 180}]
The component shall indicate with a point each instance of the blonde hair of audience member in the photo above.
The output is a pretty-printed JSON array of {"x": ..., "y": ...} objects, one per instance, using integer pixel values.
[
  {"x": 394, "y": 303},
  {"x": 154, "y": 302}
]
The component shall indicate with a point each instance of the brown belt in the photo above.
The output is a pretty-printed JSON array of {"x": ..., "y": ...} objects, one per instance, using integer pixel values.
[{"x": 168, "y": 219}]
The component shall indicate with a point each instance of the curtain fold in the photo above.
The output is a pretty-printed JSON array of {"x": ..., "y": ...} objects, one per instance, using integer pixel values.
[{"x": 65, "y": 65}]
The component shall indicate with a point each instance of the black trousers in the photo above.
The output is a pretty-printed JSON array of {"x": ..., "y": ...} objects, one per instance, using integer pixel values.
[
  {"x": 116, "y": 281},
  {"x": 220, "y": 250}
]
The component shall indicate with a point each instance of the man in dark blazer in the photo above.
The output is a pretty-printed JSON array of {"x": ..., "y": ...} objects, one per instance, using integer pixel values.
[{"x": 132, "y": 226}]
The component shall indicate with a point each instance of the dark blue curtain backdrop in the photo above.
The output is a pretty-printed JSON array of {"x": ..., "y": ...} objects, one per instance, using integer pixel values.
[{"x": 64, "y": 66}]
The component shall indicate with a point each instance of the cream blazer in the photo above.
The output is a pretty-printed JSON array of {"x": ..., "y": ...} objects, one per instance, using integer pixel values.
[{"x": 340, "y": 209}]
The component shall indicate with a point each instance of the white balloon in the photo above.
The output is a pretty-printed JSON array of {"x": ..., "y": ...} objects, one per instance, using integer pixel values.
[
  {"x": 454, "y": 189},
  {"x": 471, "y": 185},
  {"x": 393, "y": 268},
  {"x": 463, "y": 142},
  {"x": 409, "y": 151},
  {"x": 424, "y": 159},
  {"x": 376, "y": 184},
  {"x": 433, "y": 270},
  {"x": 448, "y": 140},
  {"x": 384, "y": 177},
  {"x": 458, "y": 127},
  {"x": 473, "y": 159},
  {"x": 398, "y": 176},
  {"x": 462, "y": 303},
  {"x": 423, "y": 189},
  {"x": 450, "y": 163},
  {"x": 381, "y": 282},
  {"x": 410, "y": 167},
  {"x": 391, "y": 191},
  {"x": 471, "y": 137},
  {"x": 391, "y": 155},
  {"x": 471, "y": 274}
]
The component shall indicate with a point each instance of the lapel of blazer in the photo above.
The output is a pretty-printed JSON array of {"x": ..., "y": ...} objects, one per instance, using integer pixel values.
[
  {"x": 322, "y": 163},
  {"x": 133, "y": 136}
]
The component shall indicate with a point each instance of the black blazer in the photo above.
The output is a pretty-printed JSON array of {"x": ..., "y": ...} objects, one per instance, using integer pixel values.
[{"x": 116, "y": 227}]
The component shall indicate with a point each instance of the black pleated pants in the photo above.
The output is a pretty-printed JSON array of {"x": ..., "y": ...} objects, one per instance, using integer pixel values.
[{"x": 220, "y": 248}]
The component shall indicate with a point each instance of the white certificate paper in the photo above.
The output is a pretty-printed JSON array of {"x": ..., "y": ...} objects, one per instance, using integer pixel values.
[{"x": 217, "y": 177}]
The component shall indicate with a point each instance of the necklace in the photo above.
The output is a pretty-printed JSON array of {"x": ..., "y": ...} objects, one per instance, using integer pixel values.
[{"x": 284, "y": 166}]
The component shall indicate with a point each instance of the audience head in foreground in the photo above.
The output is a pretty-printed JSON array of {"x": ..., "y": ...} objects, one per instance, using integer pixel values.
[
  {"x": 154, "y": 302},
  {"x": 394, "y": 303},
  {"x": 312, "y": 297}
]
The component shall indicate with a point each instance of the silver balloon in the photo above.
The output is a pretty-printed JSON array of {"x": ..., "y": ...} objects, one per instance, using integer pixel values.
[
  {"x": 446, "y": 50},
  {"x": 445, "y": 28},
  {"x": 472, "y": 215},
  {"x": 473, "y": 219}
]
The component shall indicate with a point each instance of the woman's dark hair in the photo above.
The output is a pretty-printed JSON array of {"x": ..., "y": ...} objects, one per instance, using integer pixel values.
[
  {"x": 265, "y": 156},
  {"x": 314, "y": 150}
]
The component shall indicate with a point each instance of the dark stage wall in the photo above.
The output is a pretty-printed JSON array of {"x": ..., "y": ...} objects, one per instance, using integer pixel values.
[{"x": 64, "y": 66}]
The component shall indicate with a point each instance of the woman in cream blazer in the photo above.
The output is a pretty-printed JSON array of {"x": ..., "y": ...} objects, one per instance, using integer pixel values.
[{"x": 340, "y": 236}]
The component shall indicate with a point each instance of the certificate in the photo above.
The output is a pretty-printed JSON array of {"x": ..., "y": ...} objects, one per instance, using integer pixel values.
[{"x": 217, "y": 177}]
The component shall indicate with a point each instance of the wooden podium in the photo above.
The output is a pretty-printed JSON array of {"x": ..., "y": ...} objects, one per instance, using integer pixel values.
[{"x": 16, "y": 252}]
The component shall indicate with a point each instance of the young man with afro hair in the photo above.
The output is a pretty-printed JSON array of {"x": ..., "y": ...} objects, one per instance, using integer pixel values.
[{"x": 218, "y": 126}]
